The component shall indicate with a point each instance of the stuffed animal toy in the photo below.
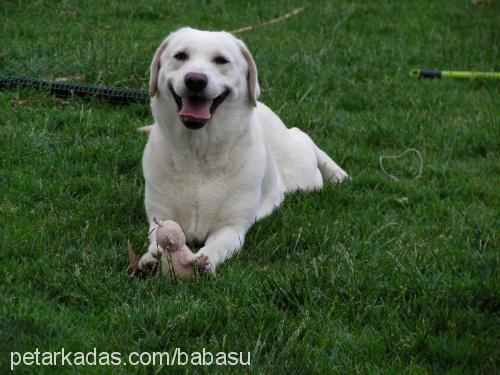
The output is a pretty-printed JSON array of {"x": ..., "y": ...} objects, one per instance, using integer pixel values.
[{"x": 177, "y": 259}]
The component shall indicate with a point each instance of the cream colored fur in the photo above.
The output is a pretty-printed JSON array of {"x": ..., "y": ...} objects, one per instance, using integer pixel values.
[{"x": 218, "y": 180}]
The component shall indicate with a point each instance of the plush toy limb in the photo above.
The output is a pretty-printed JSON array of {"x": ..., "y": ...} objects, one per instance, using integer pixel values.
[
  {"x": 188, "y": 258},
  {"x": 220, "y": 245}
]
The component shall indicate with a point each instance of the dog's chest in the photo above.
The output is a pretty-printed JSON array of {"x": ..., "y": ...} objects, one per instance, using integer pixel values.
[{"x": 195, "y": 202}]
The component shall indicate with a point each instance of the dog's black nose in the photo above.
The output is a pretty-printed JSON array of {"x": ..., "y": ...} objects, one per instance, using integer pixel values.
[{"x": 196, "y": 81}]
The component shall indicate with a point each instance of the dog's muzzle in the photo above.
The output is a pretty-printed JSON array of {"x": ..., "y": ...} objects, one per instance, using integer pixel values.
[{"x": 196, "y": 110}]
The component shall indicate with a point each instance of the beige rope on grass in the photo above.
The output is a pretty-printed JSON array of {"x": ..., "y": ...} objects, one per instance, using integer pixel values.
[{"x": 395, "y": 178}]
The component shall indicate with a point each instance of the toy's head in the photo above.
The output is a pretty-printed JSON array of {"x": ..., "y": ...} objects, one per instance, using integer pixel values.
[{"x": 169, "y": 235}]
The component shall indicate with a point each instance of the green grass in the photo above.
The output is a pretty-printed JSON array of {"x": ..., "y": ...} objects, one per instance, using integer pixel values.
[{"x": 372, "y": 276}]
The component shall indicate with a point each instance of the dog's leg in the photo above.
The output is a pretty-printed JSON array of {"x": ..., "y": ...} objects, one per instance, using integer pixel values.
[
  {"x": 151, "y": 258},
  {"x": 220, "y": 245},
  {"x": 329, "y": 169}
]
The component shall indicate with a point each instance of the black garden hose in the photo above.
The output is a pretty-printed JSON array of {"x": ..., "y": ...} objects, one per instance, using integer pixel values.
[{"x": 112, "y": 95}]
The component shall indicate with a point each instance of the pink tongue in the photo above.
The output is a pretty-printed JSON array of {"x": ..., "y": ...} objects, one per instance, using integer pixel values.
[{"x": 198, "y": 111}]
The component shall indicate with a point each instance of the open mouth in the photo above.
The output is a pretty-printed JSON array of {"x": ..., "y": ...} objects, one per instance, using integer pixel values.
[{"x": 195, "y": 110}]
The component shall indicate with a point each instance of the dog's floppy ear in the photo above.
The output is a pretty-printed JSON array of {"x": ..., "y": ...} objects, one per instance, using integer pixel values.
[
  {"x": 155, "y": 68},
  {"x": 252, "y": 78}
]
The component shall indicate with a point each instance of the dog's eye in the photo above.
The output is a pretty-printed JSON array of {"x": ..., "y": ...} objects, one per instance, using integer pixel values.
[
  {"x": 221, "y": 60},
  {"x": 181, "y": 56}
]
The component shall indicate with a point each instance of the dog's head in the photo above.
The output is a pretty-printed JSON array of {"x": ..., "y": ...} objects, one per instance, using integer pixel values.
[{"x": 198, "y": 71}]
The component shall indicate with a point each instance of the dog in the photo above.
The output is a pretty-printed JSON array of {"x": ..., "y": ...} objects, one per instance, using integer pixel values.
[{"x": 217, "y": 159}]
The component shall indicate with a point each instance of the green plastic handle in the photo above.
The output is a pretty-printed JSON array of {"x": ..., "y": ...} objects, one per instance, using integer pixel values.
[
  {"x": 470, "y": 75},
  {"x": 425, "y": 73}
]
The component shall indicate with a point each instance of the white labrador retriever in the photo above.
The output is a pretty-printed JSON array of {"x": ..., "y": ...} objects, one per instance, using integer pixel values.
[{"x": 216, "y": 159}]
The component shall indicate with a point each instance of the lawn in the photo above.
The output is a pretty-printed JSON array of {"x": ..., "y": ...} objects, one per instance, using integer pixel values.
[{"x": 375, "y": 275}]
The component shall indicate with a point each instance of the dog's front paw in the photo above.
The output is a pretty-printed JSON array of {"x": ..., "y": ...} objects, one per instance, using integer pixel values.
[
  {"x": 148, "y": 262},
  {"x": 205, "y": 268},
  {"x": 339, "y": 175},
  {"x": 202, "y": 261}
]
